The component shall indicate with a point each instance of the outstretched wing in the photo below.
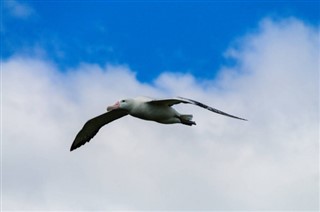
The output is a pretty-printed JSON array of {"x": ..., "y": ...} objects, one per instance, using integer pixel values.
[
  {"x": 169, "y": 102},
  {"x": 91, "y": 127},
  {"x": 178, "y": 100},
  {"x": 210, "y": 108}
]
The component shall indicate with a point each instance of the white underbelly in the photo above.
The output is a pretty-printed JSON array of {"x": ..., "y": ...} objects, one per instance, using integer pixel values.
[{"x": 158, "y": 113}]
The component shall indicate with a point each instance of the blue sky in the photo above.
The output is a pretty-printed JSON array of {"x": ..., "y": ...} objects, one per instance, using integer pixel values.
[{"x": 149, "y": 37}]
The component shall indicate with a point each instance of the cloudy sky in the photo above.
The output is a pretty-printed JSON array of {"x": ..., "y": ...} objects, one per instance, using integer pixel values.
[{"x": 63, "y": 63}]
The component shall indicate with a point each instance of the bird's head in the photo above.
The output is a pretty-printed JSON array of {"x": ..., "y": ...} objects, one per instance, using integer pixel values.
[{"x": 122, "y": 104}]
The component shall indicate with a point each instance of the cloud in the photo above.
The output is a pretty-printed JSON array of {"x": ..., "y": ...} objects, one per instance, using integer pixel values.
[
  {"x": 17, "y": 9},
  {"x": 270, "y": 162}
]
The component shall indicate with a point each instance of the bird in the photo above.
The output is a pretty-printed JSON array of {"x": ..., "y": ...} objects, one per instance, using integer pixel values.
[{"x": 146, "y": 108}]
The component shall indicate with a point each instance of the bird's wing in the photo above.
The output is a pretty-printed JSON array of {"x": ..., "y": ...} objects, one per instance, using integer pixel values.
[
  {"x": 178, "y": 100},
  {"x": 169, "y": 102},
  {"x": 91, "y": 127}
]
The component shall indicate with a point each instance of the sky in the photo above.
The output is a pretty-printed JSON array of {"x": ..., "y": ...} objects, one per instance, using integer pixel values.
[
  {"x": 149, "y": 37},
  {"x": 63, "y": 63}
]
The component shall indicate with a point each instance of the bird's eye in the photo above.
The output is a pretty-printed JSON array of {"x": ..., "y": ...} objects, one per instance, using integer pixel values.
[{"x": 123, "y": 100}]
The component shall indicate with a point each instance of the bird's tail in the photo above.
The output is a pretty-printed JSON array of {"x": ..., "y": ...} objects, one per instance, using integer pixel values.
[{"x": 186, "y": 119}]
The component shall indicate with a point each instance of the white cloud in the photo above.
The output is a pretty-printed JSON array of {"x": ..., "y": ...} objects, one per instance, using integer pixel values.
[
  {"x": 17, "y": 9},
  {"x": 270, "y": 162}
]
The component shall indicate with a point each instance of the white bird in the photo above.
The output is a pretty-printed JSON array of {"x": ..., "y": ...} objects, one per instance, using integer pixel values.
[{"x": 158, "y": 110}]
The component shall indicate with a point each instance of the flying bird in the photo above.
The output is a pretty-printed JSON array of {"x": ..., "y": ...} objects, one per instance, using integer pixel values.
[{"x": 158, "y": 110}]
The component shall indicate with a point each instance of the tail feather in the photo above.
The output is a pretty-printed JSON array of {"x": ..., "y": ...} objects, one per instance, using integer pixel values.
[{"x": 186, "y": 119}]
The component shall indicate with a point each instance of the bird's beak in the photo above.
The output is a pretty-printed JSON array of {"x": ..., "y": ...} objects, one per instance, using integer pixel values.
[{"x": 113, "y": 107}]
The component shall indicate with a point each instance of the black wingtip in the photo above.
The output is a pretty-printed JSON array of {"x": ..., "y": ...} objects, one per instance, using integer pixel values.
[
  {"x": 72, "y": 148},
  {"x": 242, "y": 119},
  {"x": 75, "y": 144}
]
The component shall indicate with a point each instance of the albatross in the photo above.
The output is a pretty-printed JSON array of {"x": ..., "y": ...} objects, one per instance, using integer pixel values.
[{"x": 158, "y": 110}]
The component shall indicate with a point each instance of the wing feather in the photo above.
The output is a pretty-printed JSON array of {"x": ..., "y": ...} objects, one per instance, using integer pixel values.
[
  {"x": 91, "y": 127},
  {"x": 173, "y": 101},
  {"x": 169, "y": 102},
  {"x": 211, "y": 108}
]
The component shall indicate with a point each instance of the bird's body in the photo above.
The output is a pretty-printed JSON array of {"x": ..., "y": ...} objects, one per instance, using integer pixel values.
[
  {"x": 158, "y": 110},
  {"x": 159, "y": 113},
  {"x": 143, "y": 108}
]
